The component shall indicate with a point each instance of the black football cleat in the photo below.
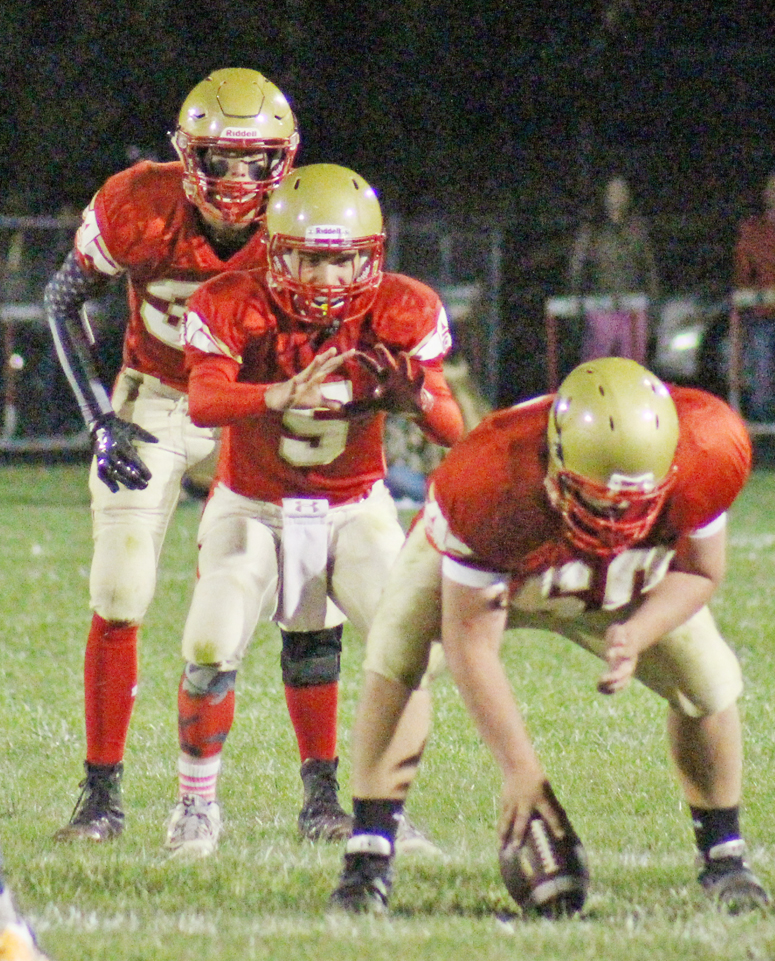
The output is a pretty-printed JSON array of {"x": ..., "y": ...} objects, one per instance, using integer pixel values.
[
  {"x": 322, "y": 818},
  {"x": 366, "y": 880},
  {"x": 726, "y": 878},
  {"x": 98, "y": 814}
]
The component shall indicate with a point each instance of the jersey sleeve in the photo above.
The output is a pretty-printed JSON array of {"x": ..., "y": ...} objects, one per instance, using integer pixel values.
[
  {"x": 215, "y": 316},
  {"x": 442, "y": 420},
  {"x": 713, "y": 459},
  {"x": 215, "y": 335},
  {"x": 410, "y": 317},
  {"x": 132, "y": 220},
  {"x": 487, "y": 506},
  {"x": 413, "y": 320},
  {"x": 91, "y": 247}
]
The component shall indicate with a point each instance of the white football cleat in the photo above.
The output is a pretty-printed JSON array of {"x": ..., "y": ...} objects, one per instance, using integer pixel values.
[
  {"x": 194, "y": 827},
  {"x": 411, "y": 840}
]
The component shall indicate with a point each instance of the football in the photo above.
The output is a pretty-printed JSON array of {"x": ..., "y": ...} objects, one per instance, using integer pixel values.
[{"x": 546, "y": 872}]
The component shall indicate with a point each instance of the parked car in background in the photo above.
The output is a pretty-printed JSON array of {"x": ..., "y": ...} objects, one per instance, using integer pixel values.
[{"x": 690, "y": 341}]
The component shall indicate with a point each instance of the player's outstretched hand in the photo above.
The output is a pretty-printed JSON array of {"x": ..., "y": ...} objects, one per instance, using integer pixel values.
[
  {"x": 305, "y": 390},
  {"x": 399, "y": 387},
  {"x": 621, "y": 655},
  {"x": 117, "y": 459}
]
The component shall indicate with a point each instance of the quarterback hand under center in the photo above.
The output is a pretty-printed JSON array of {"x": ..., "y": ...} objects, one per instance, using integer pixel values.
[{"x": 303, "y": 391}]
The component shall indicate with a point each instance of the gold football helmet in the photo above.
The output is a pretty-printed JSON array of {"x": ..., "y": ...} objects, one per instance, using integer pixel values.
[
  {"x": 612, "y": 435},
  {"x": 324, "y": 211},
  {"x": 234, "y": 114}
]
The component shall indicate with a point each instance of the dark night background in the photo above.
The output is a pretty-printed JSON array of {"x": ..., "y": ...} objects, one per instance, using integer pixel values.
[
  {"x": 440, "y": 104},
  {"x": 505, "y": 114}
]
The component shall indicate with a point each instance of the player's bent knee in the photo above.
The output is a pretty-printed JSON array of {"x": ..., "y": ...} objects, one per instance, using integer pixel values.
[
  {"x": 310, "y": 658},
  {"x": 694, "y": 669},
  {"x": 208, "y": 680},
  {"x": 123, "y": 573},
  {"x": 712, "y": 699}
]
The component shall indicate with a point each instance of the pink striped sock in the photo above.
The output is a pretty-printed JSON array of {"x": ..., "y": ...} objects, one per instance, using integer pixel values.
[{"x": 198, "y": 775}]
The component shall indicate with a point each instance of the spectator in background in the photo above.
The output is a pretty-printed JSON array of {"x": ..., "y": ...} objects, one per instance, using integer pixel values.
[
  {"x": 612, "y": 255},
  {"x": 755, "y": 269}
]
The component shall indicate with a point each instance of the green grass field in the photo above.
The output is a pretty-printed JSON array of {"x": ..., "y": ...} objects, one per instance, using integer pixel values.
[{"x": 263, "y": 896}]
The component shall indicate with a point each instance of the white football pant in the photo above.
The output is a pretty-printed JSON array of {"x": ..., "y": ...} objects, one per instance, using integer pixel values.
[
  {"x": 240, "y": 570},
  {"x": 129, "y": 526}
]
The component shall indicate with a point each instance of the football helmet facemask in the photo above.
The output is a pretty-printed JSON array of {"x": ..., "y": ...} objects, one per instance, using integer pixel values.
[
  {"x": 237, "y": 138},
  {"x": 612, "y": 436},
  {"x": 324, "y": 213}
]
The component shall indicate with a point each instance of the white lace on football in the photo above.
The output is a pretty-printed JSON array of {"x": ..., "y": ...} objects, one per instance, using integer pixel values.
[{"x": 543, "y": 846}]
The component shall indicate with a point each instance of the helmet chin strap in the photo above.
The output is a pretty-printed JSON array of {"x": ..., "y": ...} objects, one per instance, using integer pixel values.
[{"x": 328, "y": 327}]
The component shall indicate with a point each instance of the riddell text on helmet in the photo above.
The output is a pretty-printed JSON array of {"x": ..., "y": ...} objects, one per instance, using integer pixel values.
[
  {"x": 332, "y": 233},
  {"x": 237, "y": 133}
]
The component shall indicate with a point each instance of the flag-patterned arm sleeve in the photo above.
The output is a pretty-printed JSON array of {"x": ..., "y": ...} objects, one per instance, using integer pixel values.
[{"x": 66, "y": 293}]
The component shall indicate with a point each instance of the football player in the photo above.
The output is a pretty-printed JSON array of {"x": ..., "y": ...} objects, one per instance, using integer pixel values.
[
  {"x": 166, "y": 227},
  {"x": 17, "y": 939},
  {"x": 598, "y": 514},
  {"x": 299, "y": 367}
]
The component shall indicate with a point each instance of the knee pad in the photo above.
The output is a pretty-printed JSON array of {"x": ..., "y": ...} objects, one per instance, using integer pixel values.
[
  {"x": 206, "y": 680},
  {"x": 123, "y": 573},
  {"x": 311, "y": 657}
]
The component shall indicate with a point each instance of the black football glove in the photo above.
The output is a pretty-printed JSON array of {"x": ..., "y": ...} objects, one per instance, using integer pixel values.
[
  {"x": 399, "y": 386},
  {"x": 117, "y": 459}
]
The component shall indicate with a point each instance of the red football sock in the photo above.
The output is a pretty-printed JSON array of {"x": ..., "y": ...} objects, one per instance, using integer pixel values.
[
  {"x": 110, "y": 685},
  {"x": 313, "y": 712},
  {"x": 204, "y": 720}
]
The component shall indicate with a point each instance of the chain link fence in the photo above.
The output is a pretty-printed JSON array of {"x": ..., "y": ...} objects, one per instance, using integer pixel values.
[
  {"x": 37, "y": 410},
  {"x": 494, "y": 279}
]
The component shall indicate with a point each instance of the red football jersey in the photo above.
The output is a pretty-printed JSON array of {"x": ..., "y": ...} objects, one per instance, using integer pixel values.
[
  {"x": 236, "y": 338},
  {"x": 141, "y": 224},
  {"x": 489, "y": 509}
]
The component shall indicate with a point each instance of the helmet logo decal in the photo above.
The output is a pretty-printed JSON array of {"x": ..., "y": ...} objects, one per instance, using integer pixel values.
[
  {"x": 237, "y": 133},
  {"x": 328, "y": 234},
  {"x": 643, "y": 482}
]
